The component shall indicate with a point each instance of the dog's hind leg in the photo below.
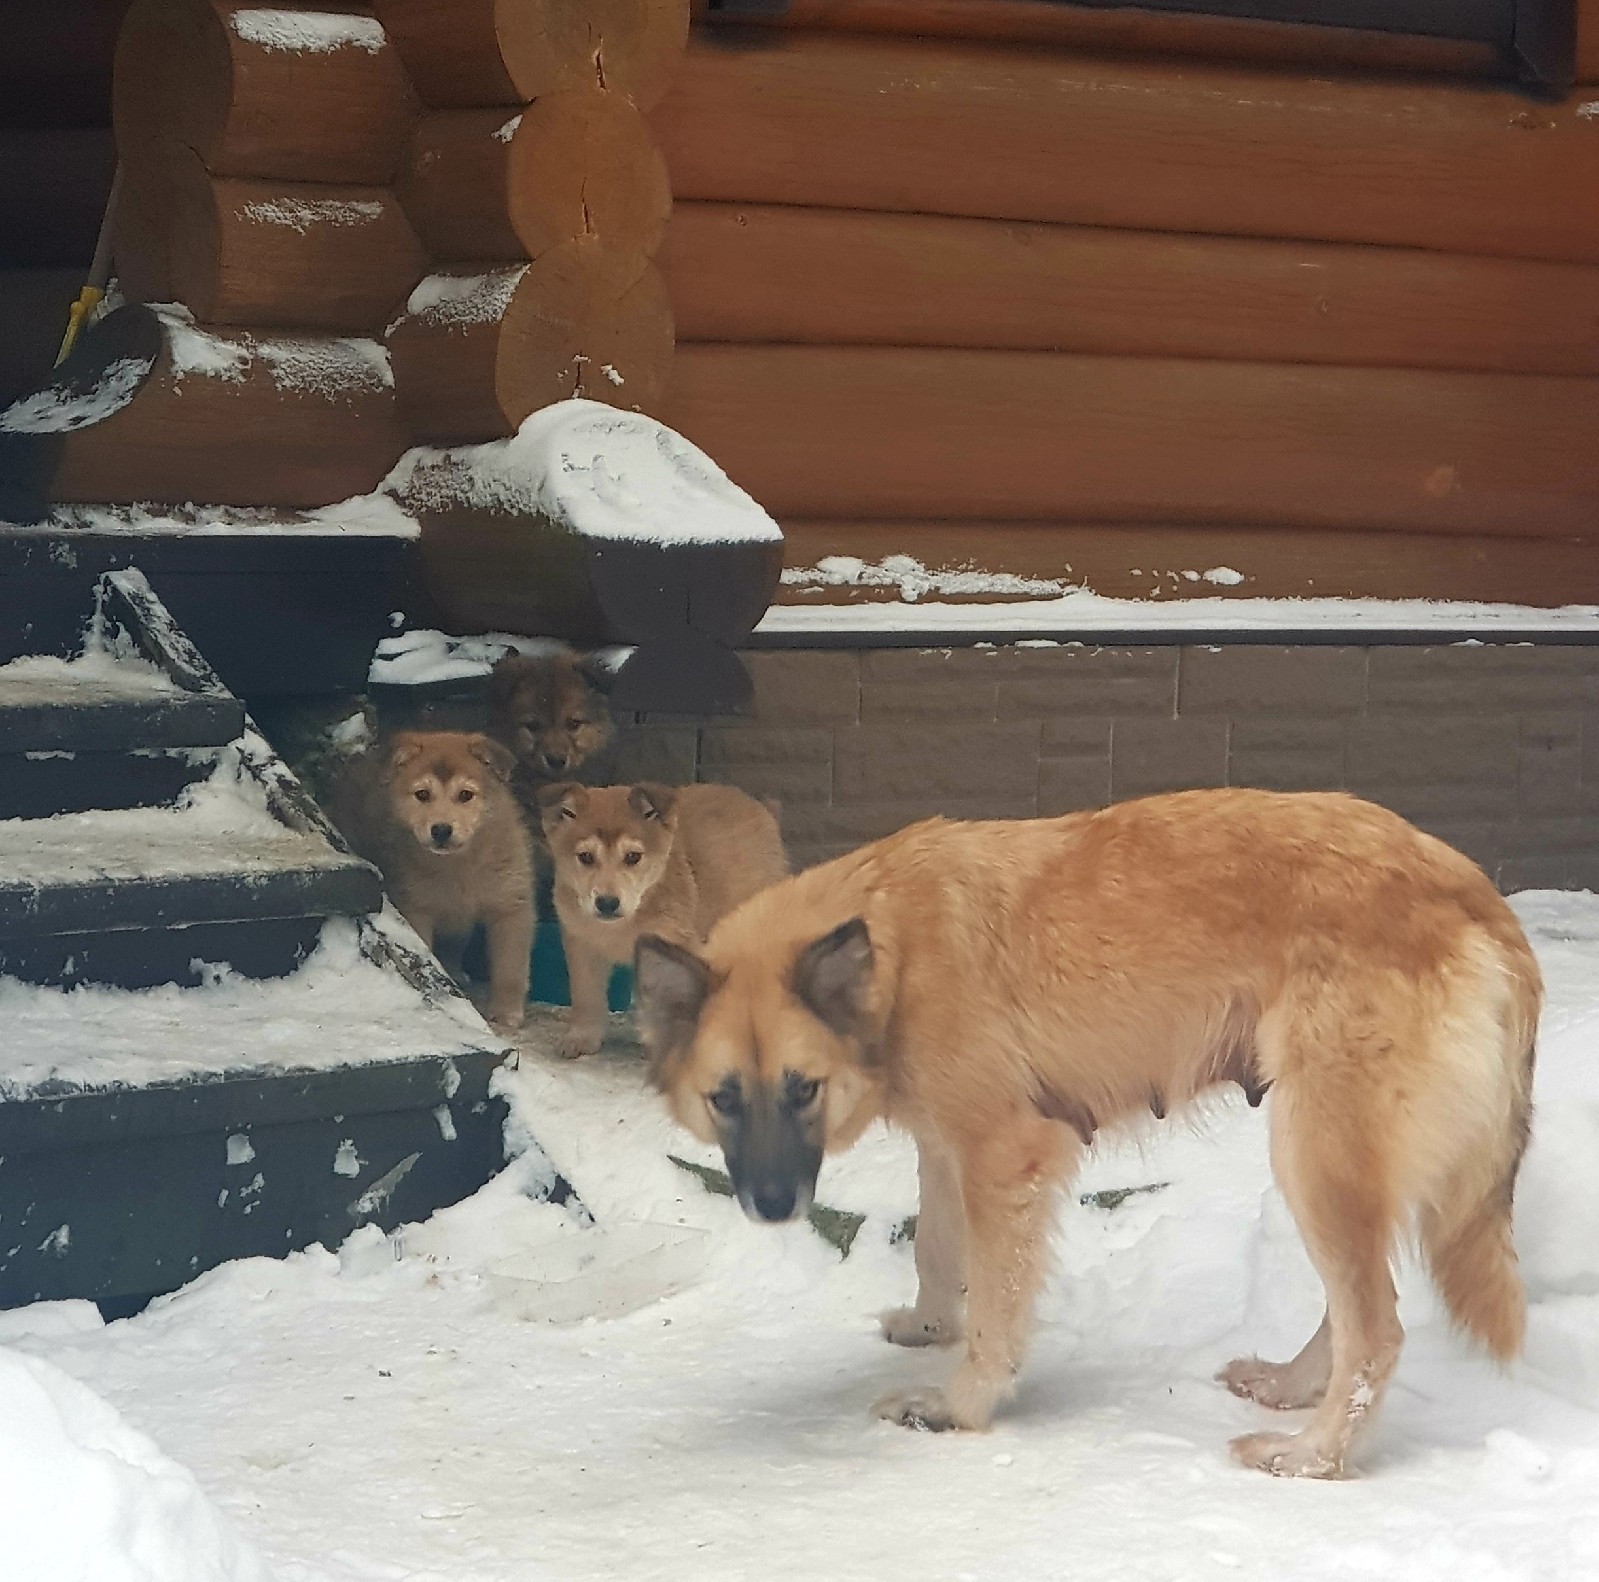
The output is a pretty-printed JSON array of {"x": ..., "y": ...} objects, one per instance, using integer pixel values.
[
  {"x": 935, "y": 1320},
  {"x": 1336, "y": 1188},
  {"x": 1009, "y": 1182},
  {"x": 1285, "y": 1385}
]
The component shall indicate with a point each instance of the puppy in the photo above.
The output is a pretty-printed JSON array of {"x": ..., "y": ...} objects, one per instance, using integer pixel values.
[
  {"x": 549, "y": 710},
  {"x": 435, "y": 814},
  {"x": 1005, "y": 990},
  {"x": 645, "y": 859}
]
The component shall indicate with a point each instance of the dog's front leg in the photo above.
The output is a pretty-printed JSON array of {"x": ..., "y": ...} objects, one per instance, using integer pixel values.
[
  {"x": 589, "y": 975},
  {"x": 935, "y": 1320},
  {"x": 1009, "y": 1183},
  {"x": 510, "y": 948}
]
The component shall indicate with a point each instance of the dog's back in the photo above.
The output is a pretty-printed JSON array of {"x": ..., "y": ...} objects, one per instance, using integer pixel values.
[{"x": 732, "y": 846}]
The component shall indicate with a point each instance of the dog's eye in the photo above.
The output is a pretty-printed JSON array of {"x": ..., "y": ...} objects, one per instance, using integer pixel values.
[
  {"x": 726, "y": 1100},
  {"x": 586, "y": 858},
  {"x": 802, "y": 1091},
  {"x": 465, "y": 794},
  {"x": 576, "y": 724},
  {"x": 633, "y": 858},
  {"x": 422, "y": 794}
]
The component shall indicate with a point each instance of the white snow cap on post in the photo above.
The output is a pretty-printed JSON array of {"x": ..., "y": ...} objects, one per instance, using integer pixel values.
[
  {"x": 84, "y": 1495},
  {"x": 603, "y": 473}
]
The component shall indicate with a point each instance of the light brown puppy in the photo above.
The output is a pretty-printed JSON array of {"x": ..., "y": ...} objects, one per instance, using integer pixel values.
[
  {"x": 434, "y": 812},
  {"x": 647, "y": 859},
  {"x": 1004, "y": 990}
]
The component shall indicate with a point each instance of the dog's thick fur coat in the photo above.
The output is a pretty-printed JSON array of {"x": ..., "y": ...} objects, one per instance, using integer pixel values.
[
  {"x": 433, "y": 811},
  {"x": 647, "y": 859},
  {"x": 1004, "y": 990}
]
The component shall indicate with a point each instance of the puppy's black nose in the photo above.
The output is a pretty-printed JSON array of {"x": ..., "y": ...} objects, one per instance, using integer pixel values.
[
  {"x": 441, "y": 834},
  {"x": 774, "y": 1200},
  {"x": 555, "y": 761},
  {"x": 607, "y": 905}
]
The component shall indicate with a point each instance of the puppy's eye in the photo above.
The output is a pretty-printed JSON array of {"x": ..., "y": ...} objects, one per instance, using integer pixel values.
[
  {"x": 802, "y": 1091},
  {"x": 576, "y": 724},
  {"x": 422, "y": 794},
  {"x": 586, "y": 858},
  {"x": 633, "y": 858},
  {"x": 726, "y": 1100},
  {"x": 465, "y": 794}
]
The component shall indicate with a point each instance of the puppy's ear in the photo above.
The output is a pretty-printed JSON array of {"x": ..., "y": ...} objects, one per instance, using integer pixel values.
[
  {"x": 832, "y": 977},
  {"x": 652, "y": 801},
  {"x": 405, "y": 748},
  {"x": 497, "y": 759},
  {"x": 509, "y": 672},
  {"x": 558, "y": 801},
  {"x": 670, "y": 985},
  {"x": 595, "y": 672}
]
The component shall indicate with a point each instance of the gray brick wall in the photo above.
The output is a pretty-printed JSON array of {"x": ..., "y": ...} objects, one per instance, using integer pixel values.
[{"x": 1493, "y": 747}]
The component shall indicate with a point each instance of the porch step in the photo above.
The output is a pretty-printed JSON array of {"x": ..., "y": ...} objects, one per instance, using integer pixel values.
[{"x": 146, "y": 1137}]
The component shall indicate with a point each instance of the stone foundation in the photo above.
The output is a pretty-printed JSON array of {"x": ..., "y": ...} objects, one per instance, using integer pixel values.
[{"x": 1494, "y": 748}]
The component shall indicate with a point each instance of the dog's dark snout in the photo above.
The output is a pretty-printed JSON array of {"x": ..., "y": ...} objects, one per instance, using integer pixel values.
[
  {"x": 555, "y": 761},
  {"x": 441, "y": 834},
  {"x": 774, "y": 1200},
  {"x": 607, "y": 905}
]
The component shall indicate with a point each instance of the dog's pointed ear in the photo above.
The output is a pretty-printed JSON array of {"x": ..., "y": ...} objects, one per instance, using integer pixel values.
[
  {"x": 832, "y": 977},
  {"x": 652, "y": 801},
  {"x": 594, "y": 670},
  {"x": 405, "y": 747},
  {"x": 498, "y": 760},
  {"x": 509, "y": 671},
  {"x": 670, "y": 985},
  {"x": 558, "y": 801}
]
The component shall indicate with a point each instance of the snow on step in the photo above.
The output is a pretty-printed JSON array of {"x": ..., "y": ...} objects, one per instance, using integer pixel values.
[
  {"x": 96, "y": 676},
  {"x": 339, "y": 1010}
]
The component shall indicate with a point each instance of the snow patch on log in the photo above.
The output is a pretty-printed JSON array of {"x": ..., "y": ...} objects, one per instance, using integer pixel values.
[{"x": 308, "y": 32}]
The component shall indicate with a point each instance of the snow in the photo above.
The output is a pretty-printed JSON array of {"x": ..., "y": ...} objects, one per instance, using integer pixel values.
[
  {"x": 87, "y": 1497},
  {"x": 460, "y": 300},
  {"x": 1588, "y": 110},
  {"x": 326, "y": 365},
  {"x": 427, "y": 657},
  {"x": 308, "y": 32},
  {"x": 504, "y": 134},
  {"x": 596, "y": 470},
  {"x": 97, "y": 675},
  {"x": 386, "y": 1411},
  {"x": 339, "y": 1009},
  {"x": 363, "y": 516},
  {"x": 62, "y": 409},
  {"x": 302, "y": 214},
  {"x": 912, "y": 581}
]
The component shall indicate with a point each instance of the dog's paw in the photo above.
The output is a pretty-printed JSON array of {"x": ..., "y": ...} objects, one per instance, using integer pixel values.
[
  {"x": 1268, "y": 1384},
  {"x": 909, "y": 1326},
  {"x": 507, "y": 1019},
  {"x": 1286, "y": 1456},
  {"x": 579, "y": 1042},
  {"x": 928, "y": 1410}
]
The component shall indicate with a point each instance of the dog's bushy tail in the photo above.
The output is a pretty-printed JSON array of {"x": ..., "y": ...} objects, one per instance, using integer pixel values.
[{"x": 1465, "y": 1228}]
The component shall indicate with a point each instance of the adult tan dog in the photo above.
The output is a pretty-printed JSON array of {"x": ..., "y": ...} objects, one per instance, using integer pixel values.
[
  {"x": 647, "y": 859},
  {"x": 434, "y": 812},
  {"x": 1004, "y": 990}
]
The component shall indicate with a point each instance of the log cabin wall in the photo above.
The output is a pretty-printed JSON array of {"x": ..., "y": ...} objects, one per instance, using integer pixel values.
[{"x": 1107, "y": 296}]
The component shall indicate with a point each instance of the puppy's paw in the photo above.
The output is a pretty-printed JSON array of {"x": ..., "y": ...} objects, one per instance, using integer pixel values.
[
  {"x": 909, "y": 1326},
  {"x": 928, "y": 1410},
  {"x": 1286, "y": 1456},
  {"x": 579, "y": 1042},
  {"x": 507, "y": 1019}
]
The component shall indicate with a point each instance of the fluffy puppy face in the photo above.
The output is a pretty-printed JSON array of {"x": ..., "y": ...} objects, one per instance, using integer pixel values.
[
  {"x": 609, "y": 844},
  {"x": 763, "y": 1055},
  {"x": 549, "y": 710},
  {"x": 440, "y": 783}
]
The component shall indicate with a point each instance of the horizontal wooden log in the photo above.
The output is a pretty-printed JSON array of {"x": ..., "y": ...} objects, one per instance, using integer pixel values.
[
  {"x": 850, "y": 121},
  {"x": 492, "y": 52},
  {"x": 298, "y": 95},
  {"x": 474, "y": 355},
  {"x": 1017, "y": 560},
  {"x": 878, "y": 432},
  {"x": 505, "y": 184},
  {"x": 223, "y": 417},
  {"x": 299, "y": 255},
  {"x": 53, "y": 190},
  {"x": 742, "y": 272},
  {"x": 1127, "y": 30}
]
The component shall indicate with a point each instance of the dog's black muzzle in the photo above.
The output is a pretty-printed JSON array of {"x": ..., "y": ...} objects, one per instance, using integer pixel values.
[{"x": 773, "y": 1157}]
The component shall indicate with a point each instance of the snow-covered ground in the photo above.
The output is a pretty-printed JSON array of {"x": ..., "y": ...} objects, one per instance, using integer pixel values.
[{"x": 387, "y": 1411}]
